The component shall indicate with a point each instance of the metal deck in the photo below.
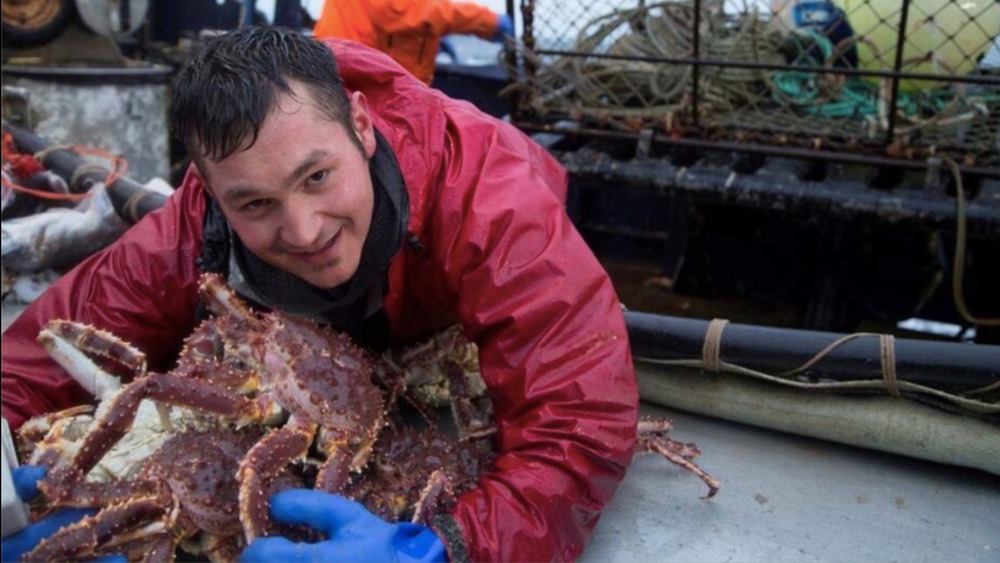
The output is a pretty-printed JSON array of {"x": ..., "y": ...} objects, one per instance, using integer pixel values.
[{"x": 790, "y": 498}]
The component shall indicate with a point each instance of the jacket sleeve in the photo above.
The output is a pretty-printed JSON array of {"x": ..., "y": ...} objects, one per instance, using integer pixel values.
[
  {"x": 442, "y": 17},
  {"x": 142, "y": 288},
  {"x": 553, "y": 347}
]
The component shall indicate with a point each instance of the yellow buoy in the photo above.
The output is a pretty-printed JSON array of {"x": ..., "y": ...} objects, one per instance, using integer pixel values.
[{"x": 944, "y": 37}]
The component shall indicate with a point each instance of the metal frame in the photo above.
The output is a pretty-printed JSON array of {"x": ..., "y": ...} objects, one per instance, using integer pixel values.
[{"x": 871, "y": 153}]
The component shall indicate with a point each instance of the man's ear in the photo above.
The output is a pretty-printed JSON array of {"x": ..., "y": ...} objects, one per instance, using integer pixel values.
[
  {"x": 361, "y": 122},
  {"x": 196, "y": 172}
]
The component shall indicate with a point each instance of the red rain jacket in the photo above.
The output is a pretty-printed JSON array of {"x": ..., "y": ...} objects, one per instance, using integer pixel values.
[
  {"x": 409, "y": 31},
  {"x": 501, "y": 257}
]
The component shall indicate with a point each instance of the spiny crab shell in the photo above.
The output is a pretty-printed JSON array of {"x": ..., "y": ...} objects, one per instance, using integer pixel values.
[
  {"x": 414, "y": 474},
  {"x": 54, "y": 439},
  {"x": 315, "y": 374},
  {"x": 427, "y": 367},
  {"x": 185, "y": 493},
  {"x": 314, "y": 391},
  {"x": 239, "y": 368},
  {"x": 307, "y": 369}
]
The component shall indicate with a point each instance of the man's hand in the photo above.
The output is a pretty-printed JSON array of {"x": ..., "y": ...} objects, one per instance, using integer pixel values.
[
  {"x": 448, "y": 48},
  {"x": 505, "y": 28},
  {"x": 16, "y": 545},
  {"x": 26, "y": 480},
  {"x": 352, "y": 533}
]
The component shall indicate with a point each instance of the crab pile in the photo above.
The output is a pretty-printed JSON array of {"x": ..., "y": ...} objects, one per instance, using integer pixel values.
[
  {"x": 259, "y": 402},
  {"x": 444, "y": 371},
  {"x": 307, "y": 388}
]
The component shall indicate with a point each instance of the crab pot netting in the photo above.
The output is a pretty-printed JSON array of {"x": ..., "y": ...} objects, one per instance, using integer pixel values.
[{"x": 775, "y": 72}]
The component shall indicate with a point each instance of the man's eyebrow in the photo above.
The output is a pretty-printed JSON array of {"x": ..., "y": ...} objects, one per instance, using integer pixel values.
[
  {"x": 237, "y": 194},
  {"x": 302, "y": 169},
  {"x": 243, "y": 192}
]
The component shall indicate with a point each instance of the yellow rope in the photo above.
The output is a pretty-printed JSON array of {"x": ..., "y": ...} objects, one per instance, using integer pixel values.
[
  {"x": 711, "y": 361},
  {"x": 958, "y": 267}
]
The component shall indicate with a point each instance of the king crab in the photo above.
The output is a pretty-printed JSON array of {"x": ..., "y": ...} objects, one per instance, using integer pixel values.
[
  {"x": 414, "y": 474},
  {"x": 413, "y": 470},
  {"x": 239, "y": 368},
  {"x": 54, "y": 439},
  {"x": 185, "y": 494}
]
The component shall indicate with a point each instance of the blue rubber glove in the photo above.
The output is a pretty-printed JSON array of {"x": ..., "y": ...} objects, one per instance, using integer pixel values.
[
  {"x": 505, "y": 28},
  {"x": 16, "y": 545},
  {"x": 353, "y": 533},
  {"x": 26, "y": 480},
  {"x": 448, "y": 48}
]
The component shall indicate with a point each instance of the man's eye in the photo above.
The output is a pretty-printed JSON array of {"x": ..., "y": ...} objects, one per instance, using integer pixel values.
[
  {"x": 317, "y": 177},
  {"x": 255, "y": 205}
]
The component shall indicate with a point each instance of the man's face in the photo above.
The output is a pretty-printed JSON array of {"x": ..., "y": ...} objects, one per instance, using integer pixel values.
[{"x": 301, "y": 197}]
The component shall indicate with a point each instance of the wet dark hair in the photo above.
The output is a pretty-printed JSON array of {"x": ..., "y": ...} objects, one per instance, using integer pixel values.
[{"x": 223, "y": 94}]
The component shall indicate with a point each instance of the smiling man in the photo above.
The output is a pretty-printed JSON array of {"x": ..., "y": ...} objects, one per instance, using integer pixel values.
[
  {"x": 303, "y": 207},
  {"x": 329, "y": 183}
]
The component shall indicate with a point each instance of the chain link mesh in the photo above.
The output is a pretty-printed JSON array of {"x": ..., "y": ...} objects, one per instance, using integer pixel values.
[{"x": 792, "y": 72}]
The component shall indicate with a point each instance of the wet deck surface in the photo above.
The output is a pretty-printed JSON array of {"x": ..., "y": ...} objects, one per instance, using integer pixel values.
[
  {"x": 786, "y": 497},
  {"x": 790, "y": 498}
]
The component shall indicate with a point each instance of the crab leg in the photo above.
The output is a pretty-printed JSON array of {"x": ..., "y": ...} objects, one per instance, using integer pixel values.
[
  {"x": 218, "y": 548},
  {"x": 335, "y": 472},
  {"x": 655, "y": 429},
  {"x": 438, "y": 486},
  {"x": 113, "y": 525},
  {"x": 262, "y": 463},
  {"x": 95, "y": 341},
  {"x": 116, "y": 421},
  {"x": 652, "y": 438},
  {"x": 463, "y": 410},
  {"x": 222, "y": 301},
  {"x": 68, "y": 343},
  {"x": 81, "y": 368},
  {"x": 88, "y": 494},
  {"x": 649, "y": 425},
  {"x": 654, "y": 446}
]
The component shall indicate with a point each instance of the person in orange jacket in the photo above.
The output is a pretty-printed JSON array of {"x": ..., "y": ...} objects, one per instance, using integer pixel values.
[
  {"x": 409, "y": 31},
  {"x": 329, "y": 183}
]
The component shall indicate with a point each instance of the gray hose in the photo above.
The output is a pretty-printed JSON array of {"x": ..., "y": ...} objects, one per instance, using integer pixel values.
[{"x": 878, "y": 422}]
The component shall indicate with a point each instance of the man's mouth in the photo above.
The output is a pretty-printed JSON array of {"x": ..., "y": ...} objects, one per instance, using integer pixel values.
[{"x": 320, "y": 254}]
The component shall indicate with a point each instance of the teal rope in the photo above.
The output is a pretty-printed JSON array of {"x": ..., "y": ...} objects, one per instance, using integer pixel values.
[{"x": 857, "y": 98}]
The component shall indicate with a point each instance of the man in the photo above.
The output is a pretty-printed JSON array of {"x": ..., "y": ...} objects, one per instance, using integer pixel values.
[
  {"x": 410, "y": 31},
  {"x": 387, "y": 210}
]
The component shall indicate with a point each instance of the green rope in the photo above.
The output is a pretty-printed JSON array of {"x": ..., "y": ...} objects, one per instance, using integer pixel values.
[{"x": 805, "y": 91}]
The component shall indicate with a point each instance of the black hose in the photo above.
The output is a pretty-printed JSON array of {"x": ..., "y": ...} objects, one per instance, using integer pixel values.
[
  {"x": 947, "y": 366},
  {"x": 130, "y": 199}
]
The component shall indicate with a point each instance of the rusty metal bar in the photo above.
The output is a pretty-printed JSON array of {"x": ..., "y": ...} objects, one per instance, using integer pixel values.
[
  {"x": 528, "y": 34},
  {"x": 510, "y": 57},
  {"x": 696, "y": 68},
  {"x": 776, "y": 191},
  {"x": 896, "y": 66},
  {"x": 967, "y": 78},
  {"x": 769, "y": 150}
]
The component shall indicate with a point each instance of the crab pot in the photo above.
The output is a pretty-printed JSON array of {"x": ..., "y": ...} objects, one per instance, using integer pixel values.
[
  {"x": 803, "y": 157},
  {"x": 901, "y": 79},
  {"x": 122, "y": 110}
]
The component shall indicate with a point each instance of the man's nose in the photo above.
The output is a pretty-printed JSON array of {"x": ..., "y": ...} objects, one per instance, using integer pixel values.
[{"x": 301, "y": 225}]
